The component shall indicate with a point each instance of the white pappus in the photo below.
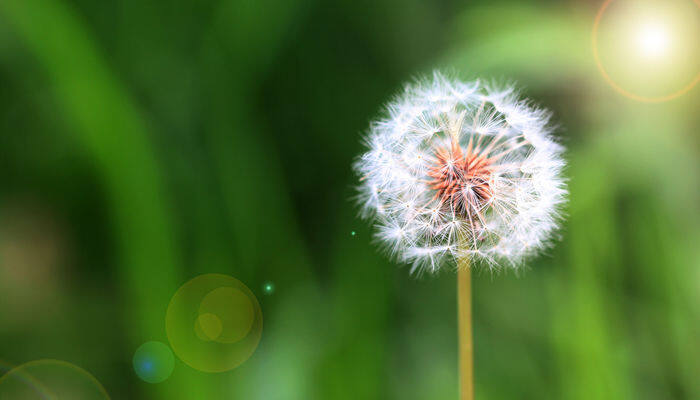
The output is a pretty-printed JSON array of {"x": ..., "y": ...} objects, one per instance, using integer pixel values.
[{"x": 461, "y": 169}]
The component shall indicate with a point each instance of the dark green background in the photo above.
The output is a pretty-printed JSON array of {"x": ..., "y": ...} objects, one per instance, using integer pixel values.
[{"x": 143, "y": 143}]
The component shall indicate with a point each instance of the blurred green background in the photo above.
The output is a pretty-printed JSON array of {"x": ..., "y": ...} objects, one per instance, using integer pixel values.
[{"x": 143, "y": 143}]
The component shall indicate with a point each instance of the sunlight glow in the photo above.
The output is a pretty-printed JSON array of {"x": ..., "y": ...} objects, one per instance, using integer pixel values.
[
  {"x": 653, "y": 40},
  {"x": 647, "y": 49}
]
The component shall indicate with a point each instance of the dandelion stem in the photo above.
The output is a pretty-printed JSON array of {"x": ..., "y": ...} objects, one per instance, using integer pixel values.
[{"x": 464, "y": 318}]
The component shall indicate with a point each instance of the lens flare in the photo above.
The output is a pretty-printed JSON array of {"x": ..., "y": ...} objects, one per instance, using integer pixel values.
[
  {"x": 214, "y": 323},
  {"x": 268, "y": 287},
  {"x": 653, "y": 40},
  {"x": 154, "y": 362},
  {"x": 208, "y": 327},
  {"x": 50, "y": 380},
  {"x": 647, "y": 50}
]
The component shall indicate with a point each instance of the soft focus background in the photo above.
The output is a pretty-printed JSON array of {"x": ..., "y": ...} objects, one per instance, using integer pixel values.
[{"x": 143, "y": 143}]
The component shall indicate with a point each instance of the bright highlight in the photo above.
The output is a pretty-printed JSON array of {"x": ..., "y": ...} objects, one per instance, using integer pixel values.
[
  {"x": 653, "y": 40},
  {"x": 647, "y": 49}
]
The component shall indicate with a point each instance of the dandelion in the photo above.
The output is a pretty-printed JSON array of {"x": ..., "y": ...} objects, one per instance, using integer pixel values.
[{"x": 460, "y": 171}]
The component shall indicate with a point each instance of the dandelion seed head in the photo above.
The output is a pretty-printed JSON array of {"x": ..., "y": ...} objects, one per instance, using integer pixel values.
[{"x": 461, "y": 169}]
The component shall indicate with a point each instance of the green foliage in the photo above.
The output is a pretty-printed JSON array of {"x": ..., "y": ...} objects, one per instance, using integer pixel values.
[{"x": 162, "y": 140}]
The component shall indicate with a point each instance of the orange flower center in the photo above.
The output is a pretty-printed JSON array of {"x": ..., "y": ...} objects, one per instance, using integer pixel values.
[{"x": 461, "y": 179}]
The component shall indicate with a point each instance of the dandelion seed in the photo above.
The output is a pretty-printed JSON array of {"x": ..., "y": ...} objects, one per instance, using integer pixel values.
[
  {"x": 461, "y": 170},
  {"x": 457, "y": 172}
]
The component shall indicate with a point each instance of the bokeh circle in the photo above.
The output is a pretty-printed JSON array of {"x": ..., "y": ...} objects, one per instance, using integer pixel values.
[
  {"x": 153, "y": 362},
  {"x": 595, "y": 41},
  {"x": 214, "y": 323},
  {"x": 50, "y": 380},
  {"x": 268, "y": 287}
]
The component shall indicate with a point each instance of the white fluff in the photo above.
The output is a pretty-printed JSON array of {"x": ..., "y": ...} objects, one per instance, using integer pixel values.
[{"x": 525, "y": 187}]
